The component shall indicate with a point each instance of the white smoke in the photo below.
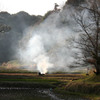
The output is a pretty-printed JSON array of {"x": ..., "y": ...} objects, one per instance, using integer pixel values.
[
  {"x": 50, "y": 45},
  {"x": 43, "y": 63},
  {"x": 34, "y": 52}
]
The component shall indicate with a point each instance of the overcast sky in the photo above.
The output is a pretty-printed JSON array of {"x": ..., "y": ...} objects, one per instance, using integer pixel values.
[{"x": 36, "y": 7}]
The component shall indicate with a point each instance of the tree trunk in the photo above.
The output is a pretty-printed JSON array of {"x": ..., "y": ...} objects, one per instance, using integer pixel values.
[{"x": 97, "y": 69}]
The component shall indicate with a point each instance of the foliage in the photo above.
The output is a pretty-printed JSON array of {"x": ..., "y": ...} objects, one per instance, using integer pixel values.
[
  {"x": 47, "y": 14},
  {"x": 4, "y": 28},
  {"x": 74, "y": 2},
  {"x": 11, "y": 32}
]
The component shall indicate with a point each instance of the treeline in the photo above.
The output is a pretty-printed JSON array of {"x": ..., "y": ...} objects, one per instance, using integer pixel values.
[{"x": 11, "y": 31}]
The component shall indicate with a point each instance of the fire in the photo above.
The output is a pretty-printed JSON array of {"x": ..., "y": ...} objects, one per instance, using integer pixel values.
[{"x": 43, "y": 63}]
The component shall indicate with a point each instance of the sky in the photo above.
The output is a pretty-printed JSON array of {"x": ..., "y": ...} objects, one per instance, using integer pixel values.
[{"x": 33, "y": 7}]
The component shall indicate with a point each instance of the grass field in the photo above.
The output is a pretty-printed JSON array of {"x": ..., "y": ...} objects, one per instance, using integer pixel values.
[{"x": 79, "y": 84}]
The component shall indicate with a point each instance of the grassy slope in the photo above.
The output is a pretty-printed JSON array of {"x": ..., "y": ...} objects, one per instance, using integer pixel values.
[{"x": 89, "y": 87}]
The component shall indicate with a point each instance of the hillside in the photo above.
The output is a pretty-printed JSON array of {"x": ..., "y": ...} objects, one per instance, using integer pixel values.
[{"x": 9, "y": 39}]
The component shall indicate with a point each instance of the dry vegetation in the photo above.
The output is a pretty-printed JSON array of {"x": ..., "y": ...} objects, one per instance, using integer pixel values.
[
  {"x": 69, "y": 83},
  {"x": 81, "y": 84}
]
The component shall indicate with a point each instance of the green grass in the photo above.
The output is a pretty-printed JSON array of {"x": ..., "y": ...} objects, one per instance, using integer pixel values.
[
  {"x": 31, "y": 80},
  {"x": 87, "y": 86},
  {"x": 83, "y": 95},
  {"x": 27, "y": 81},
  {"x": 93, "y": 78}
]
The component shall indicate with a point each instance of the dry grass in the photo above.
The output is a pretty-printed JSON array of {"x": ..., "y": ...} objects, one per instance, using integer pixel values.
[
  {"x": 60, "y": 77},
  {"x": 76, "y": 83}
]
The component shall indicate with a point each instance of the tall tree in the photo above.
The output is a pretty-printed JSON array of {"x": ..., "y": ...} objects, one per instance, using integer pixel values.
[{"x": 88, "y": 17}]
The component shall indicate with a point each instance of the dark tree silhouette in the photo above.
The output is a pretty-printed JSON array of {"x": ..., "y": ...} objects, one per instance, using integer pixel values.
[
  {"x": 4, "y": 28},
  {"x": 89, "y": 20}
]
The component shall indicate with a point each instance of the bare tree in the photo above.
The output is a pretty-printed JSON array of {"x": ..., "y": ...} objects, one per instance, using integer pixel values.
[{"x": 88, "y": 19}]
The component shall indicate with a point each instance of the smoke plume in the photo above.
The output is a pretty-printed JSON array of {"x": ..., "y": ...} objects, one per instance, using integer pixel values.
[{"x": 50, "y": 46}]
